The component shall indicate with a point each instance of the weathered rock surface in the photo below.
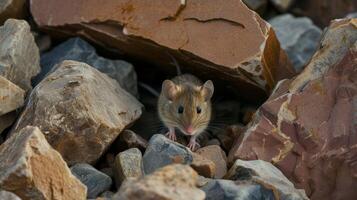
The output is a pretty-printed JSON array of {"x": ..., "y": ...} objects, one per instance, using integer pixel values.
[
  {"x": 79, "y": 50},
  {"x": 220, "y": 189},
  {"x": 298, "y": 36},
  {"x": 282, "y": 5},
  {"x": 80, "y": 110},
  {"x": 19, "y": 55},
  {"x": 12, "y": 9},
  {"x": 129, "y": 139},
  {"x": 96, "y": 181},
  {"x": 4, "y": 195},
  {"x": 322, "y": 11},
  {"x": 162, "y": 151},
  {"x": 224, "y": 40},
  {"x": 128, "y": 164},
  {"x": 32, "y": 169},
  {"x": 173, "y": 182},
  {"x": 265, "y": 174},
  {"x": 217, "y": 155},
  {"x": 203, "y": 166},
  {"x": 307, "y": 127},
  {"x": 11, "y": 96},
  {"x": 257, "y": 5}
]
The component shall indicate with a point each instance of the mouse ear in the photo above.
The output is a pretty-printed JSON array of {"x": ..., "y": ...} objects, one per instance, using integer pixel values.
[
  {"x": 207, "y": 90},
  {"x": 169, "y": 89}
]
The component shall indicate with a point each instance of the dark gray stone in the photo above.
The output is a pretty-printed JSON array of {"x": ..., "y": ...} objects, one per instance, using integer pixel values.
[
  {"x": 229, "y": 190},
  {"x": 79, "y": 50},
  {"x": 298, "y": 36},
  {"x": 96, "y": 181},
  {"x": 161, "y": 151},
  {"x": 256, "y": 5}
]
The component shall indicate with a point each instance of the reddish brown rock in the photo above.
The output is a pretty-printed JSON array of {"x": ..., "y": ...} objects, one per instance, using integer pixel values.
[
  {"x": 32, "y": 169},
  {"x": 203, "y": 166},
  {"x": 221, "y": 38},
  {"x": 307, "y": 127},
  {"x": 217, "y": 155}
]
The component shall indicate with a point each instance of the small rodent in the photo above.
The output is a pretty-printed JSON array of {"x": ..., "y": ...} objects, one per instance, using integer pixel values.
[{"x": 185, "y": 103}]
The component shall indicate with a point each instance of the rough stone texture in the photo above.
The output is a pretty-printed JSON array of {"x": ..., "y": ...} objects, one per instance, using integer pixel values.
[
  {"x": 257, "y": 5},
  {"x": 230, "y": 190},
  {"x": 323, "y": 11},
  {"x": 7, "y": 120},
  {"x": 96, "y": 181},
  {"x": 282, "y": 5},
  {"x": 217, "y": 155},
  {"x": 298, "y": 36},
  {"x": 163, "y": 151},
  {"x": 80, "y": 110},
  {"x": 173, "y": 182},
  {"x": 19, "y": 55},
  {"x": 128, "y": 164},
  {"x": 203, "y": 166},
  {"x": 265, "y": 174},
  {"x": 79, "y": 50},
  {"x": 129, "y": 139},
  {"x": 31, "y": 169},
  {"x": 12, "y": 9},
  {"x": 11, "y": 96},
  {"x": 224, "y": 40},
  {"x": 307, "y": 127},
  {"x": 4, "y": 195}
]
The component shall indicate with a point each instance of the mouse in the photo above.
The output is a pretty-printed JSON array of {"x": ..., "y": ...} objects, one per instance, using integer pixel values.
[{"x": 185, "y": 104}]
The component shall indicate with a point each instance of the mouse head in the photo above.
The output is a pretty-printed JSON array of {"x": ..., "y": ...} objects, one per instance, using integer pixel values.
[{"x": 188, "y": 107}]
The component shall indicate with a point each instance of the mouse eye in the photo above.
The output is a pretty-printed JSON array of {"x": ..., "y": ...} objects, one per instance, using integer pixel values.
[
  {"x": 198, "y": 109},
  {"x": 180, "y": 109}
]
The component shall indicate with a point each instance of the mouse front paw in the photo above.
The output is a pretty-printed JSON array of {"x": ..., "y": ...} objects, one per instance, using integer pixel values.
[
  {"x": 171, "y": 135},
  {"x": 193, "y": 145}
]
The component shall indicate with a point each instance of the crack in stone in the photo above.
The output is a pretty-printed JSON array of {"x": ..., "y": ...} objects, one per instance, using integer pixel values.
[{"x": 234, "y": 23}]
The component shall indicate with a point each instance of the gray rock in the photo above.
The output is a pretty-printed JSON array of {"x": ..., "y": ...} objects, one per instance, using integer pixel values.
[
  {"x": 298, "y": 36},
  {"x": 4, "y": 195},
  {"x": 162, "y": 151},
  {"x": 128, "y": 164},
  {"x": 229, "y": 190},
  {"x": 282, "y": 5},
  {"x": 107, "y": 195},
  {"x": 257, "y": 5},
  {"x": 268, "y": 176},
  {"x": 96, "y": 181},
  {"x": 79, "y": 50},
  {"x": 19, "y": 55},
  {"x": 351, "y": 15}
]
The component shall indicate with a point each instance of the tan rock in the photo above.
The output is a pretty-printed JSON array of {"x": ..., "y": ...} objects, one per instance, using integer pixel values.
[
  {"x": 203, "y": 166},
  {"x": 19, "y": 55},
  {"x": 225, "y": 40},
  {"x": 12, "y": 9},
  {"x": 80, "y": 110},
  {"x": 307, "y": 126},
  {"x": 11, "y": 96},
  {"x": 31, "y": 169},
  {"x": 217, "y": 155},
  {"x": 172, "y": 182}
]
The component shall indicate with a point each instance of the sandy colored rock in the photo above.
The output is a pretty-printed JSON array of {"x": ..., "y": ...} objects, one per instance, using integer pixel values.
[
  {"x": 307, "y": 127},
  {"x": 225, "y": 40},
  {"x": 217, "y": 155},
  {"x": 32, "y": 169},
  {"x": 80, "y": 110},
  {"x": 11, "y": 96},
  {"x": 4, "y": 195},
  {"x": 203, "y": 166},
  {"x": 172, "y": 182},
  {"x": 19, "y": 55},
  {"x": 128, "y": 164},
  {"x": 12, "y": 9}
]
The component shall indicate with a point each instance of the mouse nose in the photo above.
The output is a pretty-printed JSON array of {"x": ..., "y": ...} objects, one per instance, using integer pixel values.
[{"x": 189, "y": 129}]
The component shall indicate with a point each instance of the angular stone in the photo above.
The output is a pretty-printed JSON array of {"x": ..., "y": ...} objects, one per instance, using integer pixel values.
[
  {"x": 31, "y": 169},
  {"x": 129, "y": 139},
  {"x": 19, "y": 55},
  {"x": 7, "y": 120},
  {"x": 265, "y": 174},
  {"x": 96, "y": 181},
  {"x": 128, "y": 164},
  {"x": 220, "y": 189},
  {"x": 298, "y": 36},
  {"x": 307, "y": 126},
  {"x": 4, "y": 195},
  {"x": 175, "y": 181},
  {"x": 80, "y": 110},
  {"x": 282, "y": 5},
  {"x": 203, "y": 166},
  {"x": 226, "y": 40},
  {"x": 79, "y": 50},
  {"x": 257, "y": 5},
  {"x": 11, "y": 96},
  {"x": 217, "y": 155},
  {"x": 12, "y": 9},
  {"x": 162, "y": 151}
]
